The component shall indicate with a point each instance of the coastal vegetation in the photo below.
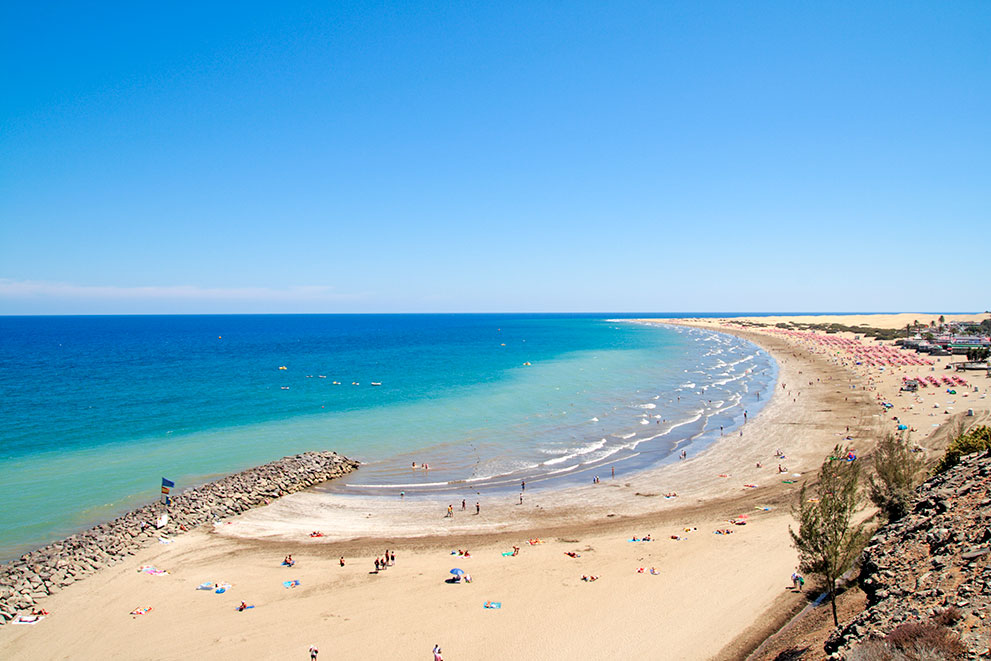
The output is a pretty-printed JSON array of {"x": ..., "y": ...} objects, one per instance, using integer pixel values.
[
  {"x": 976, "y": 440},
  {"x": 897, "y": 471},
  {"x": 828, "y": 539}
]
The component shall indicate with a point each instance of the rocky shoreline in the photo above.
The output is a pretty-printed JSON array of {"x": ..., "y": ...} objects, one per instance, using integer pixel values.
[{"x": 35, "y": 575}]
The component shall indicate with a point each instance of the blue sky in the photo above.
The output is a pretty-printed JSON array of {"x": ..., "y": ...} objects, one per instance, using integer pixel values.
[{"x": 369, "y": 157}]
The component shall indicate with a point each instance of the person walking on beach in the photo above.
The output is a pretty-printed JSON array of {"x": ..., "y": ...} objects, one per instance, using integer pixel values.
[
  {"x": 313, "y": 652},
  {"x": 478, "y": 508},
  {"x": 450, "y": 510},
  {"x": 521, "y": 499},
  {"x": 392, "y": 557},
  {"x": 437, "y": 656},
  {"x": 463, "y": 504},
  {"x": 523, "y": 485}
]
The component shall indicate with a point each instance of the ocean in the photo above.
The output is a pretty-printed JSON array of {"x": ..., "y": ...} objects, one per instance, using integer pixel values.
[{"x": 97, "y": 409}]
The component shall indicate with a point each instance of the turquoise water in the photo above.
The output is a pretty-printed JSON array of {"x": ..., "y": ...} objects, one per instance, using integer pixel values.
[{"x": 97, "y": 409}]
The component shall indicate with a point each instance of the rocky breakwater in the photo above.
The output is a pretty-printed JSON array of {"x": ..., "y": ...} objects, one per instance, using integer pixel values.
[
  {"x": 35, "y": 575},
  {"x": 928, "y": 576}
]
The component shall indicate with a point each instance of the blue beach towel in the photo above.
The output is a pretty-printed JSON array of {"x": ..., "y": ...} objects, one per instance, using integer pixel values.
[
  {"x": 290, "y": 584},
  {"x": 492, "y": 604}
]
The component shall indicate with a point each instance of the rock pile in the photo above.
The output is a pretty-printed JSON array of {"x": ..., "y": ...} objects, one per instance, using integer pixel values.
[
  {"x": 933, "y": 566},
  {"x": 40, "y": 573}
]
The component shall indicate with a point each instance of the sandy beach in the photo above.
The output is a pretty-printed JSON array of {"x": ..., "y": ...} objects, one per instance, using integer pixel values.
[{"x": 712, "y": 594}]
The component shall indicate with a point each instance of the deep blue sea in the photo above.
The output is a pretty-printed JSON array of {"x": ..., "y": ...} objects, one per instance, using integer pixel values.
[{"x": 96, "y": 410}]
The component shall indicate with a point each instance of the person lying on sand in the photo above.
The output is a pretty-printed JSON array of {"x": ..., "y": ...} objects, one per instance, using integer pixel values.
[
  {"x": 572, "y": 554},
  {"x": 589, "y": 579}
]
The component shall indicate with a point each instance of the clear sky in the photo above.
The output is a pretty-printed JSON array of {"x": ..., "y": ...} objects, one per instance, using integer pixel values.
[{"x": 458, "y": 156}]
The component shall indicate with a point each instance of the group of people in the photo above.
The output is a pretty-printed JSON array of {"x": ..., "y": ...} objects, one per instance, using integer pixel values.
[
  {"x": 464, "y": 506},
  {"x": 387, "y": 560},
  {"x": 288, "y": 561}
]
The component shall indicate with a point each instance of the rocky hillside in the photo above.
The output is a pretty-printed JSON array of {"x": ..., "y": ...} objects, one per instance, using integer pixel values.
[{"x": 928, "y": 576}]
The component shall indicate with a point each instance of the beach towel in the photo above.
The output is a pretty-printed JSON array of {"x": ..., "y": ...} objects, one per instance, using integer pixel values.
[
  {"x": 141, "y": 610},
  {"x": 492, "y": 604},
  {"x": 788, "y": 481},
  {"x": 506, "y": 553},
  {"x": 149, "y": 569},
  {"x": 639, "y": 540},
  {"x": 29, "y": 619},
  {"x": 239, "y": 609},
  {"x": 290, "y": 584},
  {"x": 208, "y": 585}
]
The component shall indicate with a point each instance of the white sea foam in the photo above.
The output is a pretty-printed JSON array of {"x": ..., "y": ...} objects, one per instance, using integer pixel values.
[
  {"x": 397, "y": 486},
  {"x": 647, "y": 406}
]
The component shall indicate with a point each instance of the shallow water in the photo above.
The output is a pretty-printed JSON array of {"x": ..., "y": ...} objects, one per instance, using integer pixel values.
[{"x": 98, "y": 409}]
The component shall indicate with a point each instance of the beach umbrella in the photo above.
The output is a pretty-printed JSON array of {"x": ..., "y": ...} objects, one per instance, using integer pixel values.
[{"x": 457, "y": 572}]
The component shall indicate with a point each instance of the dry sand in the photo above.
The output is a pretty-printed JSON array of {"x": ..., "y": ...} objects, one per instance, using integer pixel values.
[{"x": 711, "y": 593}]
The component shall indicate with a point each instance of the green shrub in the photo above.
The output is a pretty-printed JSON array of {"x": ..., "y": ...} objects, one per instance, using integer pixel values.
[
  {"x": 896, "y": 474},
  {"x": 976, "y": 440}
]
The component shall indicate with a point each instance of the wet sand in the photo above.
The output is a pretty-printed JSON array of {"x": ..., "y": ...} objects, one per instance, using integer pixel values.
[{"x": 709, "y": 591}]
